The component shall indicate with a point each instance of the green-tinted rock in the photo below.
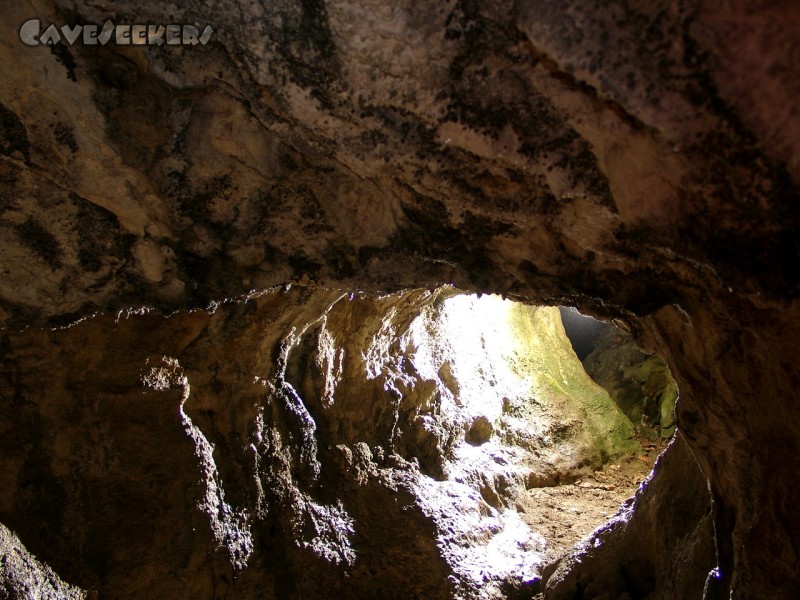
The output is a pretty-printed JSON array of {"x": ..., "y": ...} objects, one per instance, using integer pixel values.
[{"x": 640, "y": 384}]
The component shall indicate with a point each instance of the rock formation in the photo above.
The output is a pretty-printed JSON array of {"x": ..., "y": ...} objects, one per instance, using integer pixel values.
[
  {"x": 304, "y": 441},
  {"x": 637, "y": 160},
  {"x": 641, "y": 385}
]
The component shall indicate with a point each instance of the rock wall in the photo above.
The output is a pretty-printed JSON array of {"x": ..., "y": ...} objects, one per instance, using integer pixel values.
[
  {"x": 22, "y": 575},
  {"x": 650, "y": 549},
  {"x": 301, "y": 444},
  {"x": 641, "y": 385},
  {"x": 639, "y": 160}
]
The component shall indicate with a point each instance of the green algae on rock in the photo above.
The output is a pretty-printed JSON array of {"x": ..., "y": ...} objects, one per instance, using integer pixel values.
[{"x": 640, "y": 384}]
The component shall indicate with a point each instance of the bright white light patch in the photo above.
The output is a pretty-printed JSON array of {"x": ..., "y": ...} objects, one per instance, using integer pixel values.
[
  {"x": 507, "y": 381},
  {"x": 477, "y": 339}
]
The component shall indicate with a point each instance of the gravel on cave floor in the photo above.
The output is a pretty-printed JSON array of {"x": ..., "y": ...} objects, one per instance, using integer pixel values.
[{"x": 565, "y": 514}]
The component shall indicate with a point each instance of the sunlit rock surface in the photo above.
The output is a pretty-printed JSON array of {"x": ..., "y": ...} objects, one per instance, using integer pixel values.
[
  {"x": 21, "y": 575},
  {"x": 638, "y": 160},
  {"x": 299, "y": 443}
]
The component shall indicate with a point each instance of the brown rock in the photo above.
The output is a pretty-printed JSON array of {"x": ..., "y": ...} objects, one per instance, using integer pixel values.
[{"x": 639, "y": 161}]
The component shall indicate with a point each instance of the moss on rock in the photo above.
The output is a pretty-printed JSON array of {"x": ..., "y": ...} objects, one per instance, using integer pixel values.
[{"x": 640, "y": 384}]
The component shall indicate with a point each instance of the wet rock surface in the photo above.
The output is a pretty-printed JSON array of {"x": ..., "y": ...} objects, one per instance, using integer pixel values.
[{"x": 638, "y": 161}]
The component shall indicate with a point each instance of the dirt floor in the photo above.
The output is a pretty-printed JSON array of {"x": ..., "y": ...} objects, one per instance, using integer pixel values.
[{"x": 566, "y": 513}]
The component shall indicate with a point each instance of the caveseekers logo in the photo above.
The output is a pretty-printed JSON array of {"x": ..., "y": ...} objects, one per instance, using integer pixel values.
[{"x": 33, "y": 34}]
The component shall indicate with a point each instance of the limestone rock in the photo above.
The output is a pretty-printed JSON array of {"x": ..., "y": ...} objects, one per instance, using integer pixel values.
[
  {"x": 641, "y": 385},
  {"x": 637, "y": 160},
  {"x": 21, "y": 575},
  {"x": 647, "y": 549},
  {"x": 297, "y": 443}
]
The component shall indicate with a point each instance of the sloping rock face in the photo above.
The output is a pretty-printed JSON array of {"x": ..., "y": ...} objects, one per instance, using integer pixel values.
[
  {"x": 638, "y": 160},
  {"x": 22, "y": 575},
  {"x": 649, "y": 549},
  {"x": 641, "y": 385}
]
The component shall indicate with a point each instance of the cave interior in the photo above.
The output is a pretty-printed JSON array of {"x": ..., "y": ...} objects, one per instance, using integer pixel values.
[{"x": 448, "y": 300}]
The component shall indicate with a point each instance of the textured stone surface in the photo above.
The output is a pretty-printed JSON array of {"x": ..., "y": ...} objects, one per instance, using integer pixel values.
[
  {"x": 641, "y": 385},
  {"x": 539, "y": 149},
  {"x": 639, "y": 160},
  {"x": 303, "y": 442},
  {"x": 648, "y": 549},
  {"x": 21, "y": 575}
]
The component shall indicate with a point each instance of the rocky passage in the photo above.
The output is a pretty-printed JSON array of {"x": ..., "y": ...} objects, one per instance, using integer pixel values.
[
  {"x": 471, "y": 404},
  {"x": 637, "y": 160}
]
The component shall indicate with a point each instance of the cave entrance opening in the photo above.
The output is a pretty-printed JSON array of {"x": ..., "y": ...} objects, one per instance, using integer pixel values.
[
  {"x": 428, "y": 428},
  {"x": 549, "y": 415},
  {"x": 425, "y": 443}
]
